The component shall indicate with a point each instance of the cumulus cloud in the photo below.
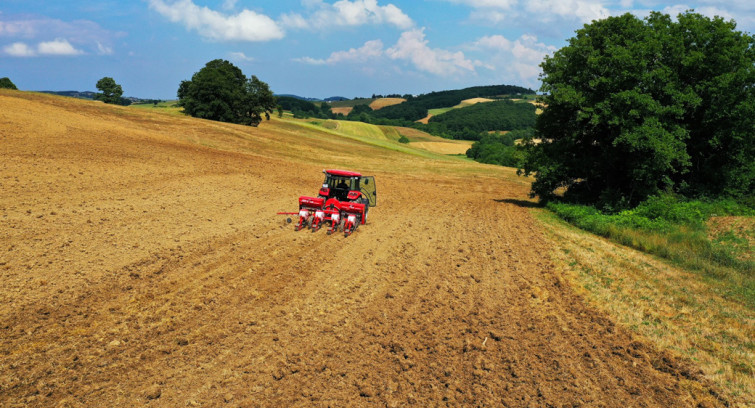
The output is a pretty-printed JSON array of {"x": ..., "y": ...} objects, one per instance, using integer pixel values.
[
  {"x": 23, "y": 29},
  {"x": 247, "y": 25},
  {"x": 345, "y": 13},
  {"x": 412, "y": 46},
  {"x": 583, "y": 10},
  {"x": 58, "y": 47},
  {"x": 498, "y": 4},
  {"x": 19, "y": 49},
  {"x": 520, "y": 58},
  {"x": 48, "y": 33},
  {"x": 370, "y": 50},
  {"x": 240, "y": 56},
  {"x": 542, "y": 11},
  {"x": 494, "y": 42}
]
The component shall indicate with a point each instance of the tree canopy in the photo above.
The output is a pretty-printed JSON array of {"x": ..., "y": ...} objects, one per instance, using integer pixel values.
[
  {"x": 221, "y": 92},
  {"x": 636, "y": 107},
  {"x": 110, "y": 91},
  {"x": 6, "y": 83}
]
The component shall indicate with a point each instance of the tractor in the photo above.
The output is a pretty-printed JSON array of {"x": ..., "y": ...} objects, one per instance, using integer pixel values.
[{"x": 343, "y": 201}]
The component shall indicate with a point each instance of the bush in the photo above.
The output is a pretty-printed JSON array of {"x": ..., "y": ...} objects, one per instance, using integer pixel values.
[{"x": 403, "y": 139}]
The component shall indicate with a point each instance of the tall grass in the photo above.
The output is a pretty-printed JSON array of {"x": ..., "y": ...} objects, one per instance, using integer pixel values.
[{"x": 674, "y": 228}]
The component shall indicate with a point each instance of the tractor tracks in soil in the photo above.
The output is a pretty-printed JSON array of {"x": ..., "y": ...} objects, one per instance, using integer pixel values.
[{"x": 188, "y": 291}]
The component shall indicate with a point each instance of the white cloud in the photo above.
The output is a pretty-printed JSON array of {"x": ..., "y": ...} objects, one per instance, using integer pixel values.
[
  {"x": 104, "y": 49},
  {"x": 240, "y": 56},
  {"x": 247, "y": 25},
  {"x": 46, "y": 31},
  {"x": 493, "y": 4},
  {"x": 311, "y": 61},
  {"x": 19, "y": 49},
  {"x": 494, "y": 42},
  {"x": 412, "y": 46},
  {"x": 23, "y": 29},
  {"x": 542, "y": 11},
  {"x": 370, "y": 50},
  {"x": 583, "y": 10},
  {"x": 519, "y": 58},
  {"x": 57, "y": 47},
  {"x": 346, "y": 13}
]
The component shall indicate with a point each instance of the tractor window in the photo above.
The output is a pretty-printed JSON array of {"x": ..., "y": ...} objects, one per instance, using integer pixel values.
[{"x": 369, "y": 190}]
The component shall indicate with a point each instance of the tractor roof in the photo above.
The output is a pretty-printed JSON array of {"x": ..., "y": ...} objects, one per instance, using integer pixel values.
[{"x": 343, "y": 173}]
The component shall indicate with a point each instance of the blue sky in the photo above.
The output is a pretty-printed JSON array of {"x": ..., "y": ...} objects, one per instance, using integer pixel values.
[{"x": 315, "y": 48}]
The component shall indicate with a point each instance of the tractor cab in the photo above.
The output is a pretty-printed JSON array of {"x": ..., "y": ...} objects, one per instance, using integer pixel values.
[{"x": 349, "y": 186}]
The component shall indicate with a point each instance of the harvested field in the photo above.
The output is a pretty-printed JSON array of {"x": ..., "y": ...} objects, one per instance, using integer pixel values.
[
  {"x": 142, "y": 263},
  {"x": 344, "y": 110},
  {"x": 426, "y": 119},
  {"x": 383, "y": 102},
  {"x": 472, "y": 101},
  {"x": 460, "y": 147}
]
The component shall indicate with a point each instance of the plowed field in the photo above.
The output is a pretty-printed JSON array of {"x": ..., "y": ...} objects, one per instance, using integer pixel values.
[{"x": 142, "y": 264}]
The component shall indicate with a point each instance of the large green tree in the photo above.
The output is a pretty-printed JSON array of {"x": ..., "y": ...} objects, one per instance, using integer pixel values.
[
  {"x": 110, "y": 91},
  {"x": 221, "y": 92},
  {"x": 635, "y": 107},
  {"x": 6, "y": 83}
]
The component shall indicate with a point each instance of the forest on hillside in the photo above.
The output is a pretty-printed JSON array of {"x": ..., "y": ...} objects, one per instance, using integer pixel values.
[{"x": 489, "y": 116}]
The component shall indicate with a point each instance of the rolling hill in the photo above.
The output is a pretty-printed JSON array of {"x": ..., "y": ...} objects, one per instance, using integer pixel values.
[{"x": 143, "y": 263}]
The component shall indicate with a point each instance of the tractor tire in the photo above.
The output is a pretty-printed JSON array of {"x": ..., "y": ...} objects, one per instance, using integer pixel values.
[{"x": 366, "y": 203}]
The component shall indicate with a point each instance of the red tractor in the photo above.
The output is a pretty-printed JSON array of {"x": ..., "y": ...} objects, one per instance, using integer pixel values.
[{"x": 343, "y": 201}]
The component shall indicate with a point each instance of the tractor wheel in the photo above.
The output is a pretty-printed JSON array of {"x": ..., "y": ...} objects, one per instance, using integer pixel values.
[{"x": 366, "y": 203}]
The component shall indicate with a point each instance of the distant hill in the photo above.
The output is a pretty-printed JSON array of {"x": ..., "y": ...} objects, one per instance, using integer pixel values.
[
  {"x": 416, "y": 108},
  {"x": 303, "y": 98},
  {"x": 73, "y": 94},
  {"x": 89, "y": 95}
]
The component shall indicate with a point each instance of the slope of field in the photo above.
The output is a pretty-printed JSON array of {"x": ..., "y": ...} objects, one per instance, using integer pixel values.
[
  {"x": 436, "y": 144},
  {"x": 449, "y": 147},
  {"x": 383, "y": 102},
  {"x": 142, "y": 263},
  {"x": 463, "y": 104},
  {"x": 426, "y": 119},
  {"x": 343, "y": 110}
]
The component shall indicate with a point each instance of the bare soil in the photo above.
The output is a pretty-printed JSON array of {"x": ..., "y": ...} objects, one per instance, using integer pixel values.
[{"x": 142, "y": 264}]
